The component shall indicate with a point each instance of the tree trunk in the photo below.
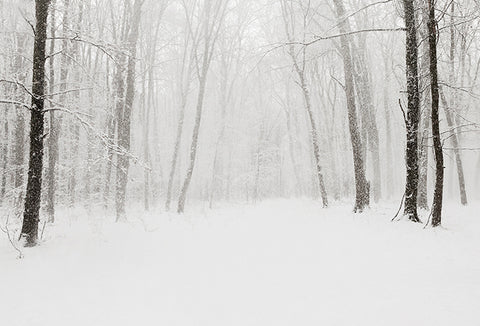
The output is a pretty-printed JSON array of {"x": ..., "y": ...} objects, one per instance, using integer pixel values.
[
  {"x": 194, "y": 144},
  {"x": 425, "y": 116},
  {"x": 123, "y": 161},
  {"x": 209, "y": 36},
  {"x": 388, "y": 131},
  {"x": 300, "y": 70},
  {"x": 75, "y": 128},
  {"x": 56, "y": 122},
  {"x": 412, "y": 114},
  {"x": 361, "y": 185},
  {"x": 19, "y": 148},
  {"x": 367, "y": 112},
  {"x": 455, "y": 132},
  {"x": 31, "y": 214},
  {"x": 176, "y": 149},
  {"x": 314, "y": 137},
  {"x": 456, "y": 151},
  {"x": 437, "y": 145},
  {"x": 4, "y": 151}
]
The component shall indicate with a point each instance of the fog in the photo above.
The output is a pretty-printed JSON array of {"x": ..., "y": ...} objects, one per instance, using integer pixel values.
[{"x": 239, "y": 162}]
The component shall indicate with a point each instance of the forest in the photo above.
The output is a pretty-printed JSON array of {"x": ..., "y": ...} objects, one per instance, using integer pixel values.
[{"x": 260, "y": 162}]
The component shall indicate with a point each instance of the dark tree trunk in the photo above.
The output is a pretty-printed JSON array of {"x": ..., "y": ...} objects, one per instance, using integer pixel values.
[
  {"x": 31, "y": 214},
  {"x": 437, "y": 145},
  {"x": 361, "y": 185},
  {"x": 412, "y": 114}
]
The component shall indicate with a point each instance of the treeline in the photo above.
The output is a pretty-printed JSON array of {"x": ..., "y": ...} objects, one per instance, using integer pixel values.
[{"x": 106, "y": 103}]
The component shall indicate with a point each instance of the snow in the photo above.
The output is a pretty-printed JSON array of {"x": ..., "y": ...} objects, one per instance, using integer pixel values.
[{"x": 281, "y": 262}]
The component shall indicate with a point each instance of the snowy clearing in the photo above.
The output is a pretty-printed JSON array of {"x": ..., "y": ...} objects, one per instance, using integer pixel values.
[{"x": 277, "y": 263}]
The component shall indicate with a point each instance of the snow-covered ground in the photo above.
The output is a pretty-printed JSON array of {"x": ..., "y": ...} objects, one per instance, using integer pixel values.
[{"x": 283, "y": 262}]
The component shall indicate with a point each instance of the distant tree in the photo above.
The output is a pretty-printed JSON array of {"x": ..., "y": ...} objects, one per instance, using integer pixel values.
[
  {"x": 124, "y": 114},
  {"x": 183, "y": 81},
  {"x": 362, "y": 189},
  {"x": 212, "y": 14},
  {"x": 449, "y": 108},
  {"x": 426, "y": 104},
  {"x": 56, "y": 121},
  {"x": 299, "y": 65},
  {"x": 365, "y": 94}
]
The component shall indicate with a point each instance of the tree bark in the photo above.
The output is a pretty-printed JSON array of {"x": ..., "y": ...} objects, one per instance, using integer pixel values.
[
  {"x": 361, "y": 185},
  {"x": 31, "y": 214},
  {"x": 367, "y": 111},
  {"x": 412, "y": 114},
  {"x": 437, "y": 145}
]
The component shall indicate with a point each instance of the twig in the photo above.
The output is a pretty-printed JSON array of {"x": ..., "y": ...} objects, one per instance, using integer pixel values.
[
  {"x": 399, "y": 208},
  {"x": 428, "y": 219},
  {"x": 403, "y": 112},
  {"x": 43, "y": 229},
  {"x": 329, "y": 37},
  {"x": 7, "y": 231}
]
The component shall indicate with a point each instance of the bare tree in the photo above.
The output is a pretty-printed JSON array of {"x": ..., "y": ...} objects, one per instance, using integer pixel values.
[
  {"x": 364, "y": 90},
  {"x": 449, "y": 109},
  {"x": 183, "y": 81},
  {"x": 125, "y": 111},
  {"x": 300, "y": 66},
  {"x": 56, "y": 121},
  {"x": 362, "y": 188},
  {"x": 212, "y": 17}
]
